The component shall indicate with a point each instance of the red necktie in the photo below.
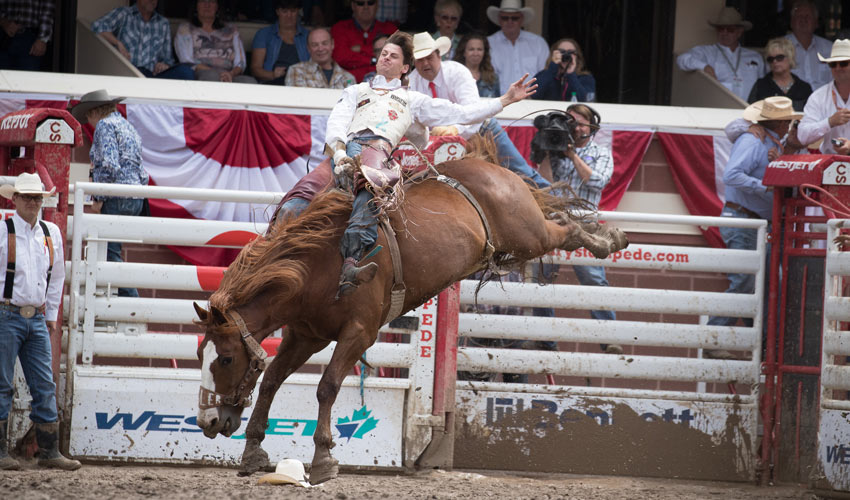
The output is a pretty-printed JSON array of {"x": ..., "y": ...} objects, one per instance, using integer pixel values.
[{"x": 433, "y": 89}]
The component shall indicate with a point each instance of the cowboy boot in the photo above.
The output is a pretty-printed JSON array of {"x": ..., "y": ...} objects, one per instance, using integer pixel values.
[
  {"x": 353, "y": 275},
  {"x": 6, "y": 462},
  {"x": 47, "y": 437}
]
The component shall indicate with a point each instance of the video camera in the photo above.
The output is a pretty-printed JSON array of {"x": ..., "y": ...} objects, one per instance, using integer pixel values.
[{"x": 554, "y": 135}]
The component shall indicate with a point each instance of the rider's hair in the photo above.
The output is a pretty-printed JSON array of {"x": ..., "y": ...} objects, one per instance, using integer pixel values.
[{"x": 405, "y": 42}]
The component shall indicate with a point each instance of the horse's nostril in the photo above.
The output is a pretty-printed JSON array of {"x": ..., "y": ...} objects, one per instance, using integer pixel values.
[{"x": 213, "y": 422}]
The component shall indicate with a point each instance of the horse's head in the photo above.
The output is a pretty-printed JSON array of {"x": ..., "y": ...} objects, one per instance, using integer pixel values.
[{"x": 231, "y": 362}]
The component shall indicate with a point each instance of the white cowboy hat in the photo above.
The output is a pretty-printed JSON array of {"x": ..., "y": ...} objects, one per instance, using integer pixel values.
[
  {"x": 288, "y": 471},
  {"x": 510, "y": 6},
  {"x": 424, "y": 44},
  {"x": 25, "y": 184},
  {"x": 771, "y": 108},
  {"x": 729, "y": 16},
  {"x": 91, "y": 101},
  {"x": 840, "y": 52}
]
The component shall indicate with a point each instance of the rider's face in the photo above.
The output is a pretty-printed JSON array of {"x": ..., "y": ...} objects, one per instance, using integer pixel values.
[{"x": 391, "y": 62}]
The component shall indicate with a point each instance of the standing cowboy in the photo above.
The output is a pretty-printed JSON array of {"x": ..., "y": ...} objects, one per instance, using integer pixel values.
[
  {"x": 31, "y": 252},
  {"x": 372, "y": 117}
]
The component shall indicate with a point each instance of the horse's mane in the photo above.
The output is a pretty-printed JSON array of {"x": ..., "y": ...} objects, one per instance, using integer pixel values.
[{"x": 276, "y": 260}]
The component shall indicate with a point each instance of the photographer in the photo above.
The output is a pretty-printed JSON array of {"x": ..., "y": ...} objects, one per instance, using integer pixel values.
[
  {"x": 565, "y": 75},
  {"x": 587, "y": 167}
]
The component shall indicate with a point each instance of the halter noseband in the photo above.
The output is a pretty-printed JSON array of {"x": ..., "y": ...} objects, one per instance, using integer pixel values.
[{"x": 242, "y": 396}]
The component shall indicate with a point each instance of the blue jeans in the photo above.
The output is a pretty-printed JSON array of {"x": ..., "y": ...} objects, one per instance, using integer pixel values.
[
  {"x": 737, "y": 239},
  {"x": 510, "y": 155},
  {"x": 29, "y": 340},
  {"x": 177, "y": 72},
  {"x": 121, "y": 206},
  {"x": 362, "y": 231},
  {"x": 15, "y": 52}
]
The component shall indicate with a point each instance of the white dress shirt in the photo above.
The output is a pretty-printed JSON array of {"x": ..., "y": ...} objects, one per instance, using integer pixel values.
[
  {"x": 815, "y": 122},
  {"x": 736, "y": 69},
  {"x": 809, "y": 68},
  {"x": 512, "y": 60},
  {"x": 423, "y": 108},
  {"x": 32, "y": 259},
  {"x": 455, "y": 83}
]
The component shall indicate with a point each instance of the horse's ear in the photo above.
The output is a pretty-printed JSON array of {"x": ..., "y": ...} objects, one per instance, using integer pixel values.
[
  {"x": 217, "y": 316},
  {"x": 201, "y": 312}
]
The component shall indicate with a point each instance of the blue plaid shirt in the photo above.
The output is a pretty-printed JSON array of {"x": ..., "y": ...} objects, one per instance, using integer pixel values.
[
  {"x": 148, "y": 42},
  {"x": 116, "y": 152},
  {"x": 598, "y": 158}
]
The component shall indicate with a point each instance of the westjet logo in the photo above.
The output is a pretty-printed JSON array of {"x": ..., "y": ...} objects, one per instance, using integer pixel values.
[{"x": 838, "y": 454}]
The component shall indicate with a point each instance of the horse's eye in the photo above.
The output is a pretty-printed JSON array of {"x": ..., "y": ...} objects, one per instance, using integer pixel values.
[{"x": 225, "y": 361}]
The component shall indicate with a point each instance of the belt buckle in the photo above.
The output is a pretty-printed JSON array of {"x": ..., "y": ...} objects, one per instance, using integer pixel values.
[{"x": 27, "y": 312}]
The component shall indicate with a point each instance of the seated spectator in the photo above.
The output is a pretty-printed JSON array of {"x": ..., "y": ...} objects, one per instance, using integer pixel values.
[
  {"x": 780, "y": 57},
  {"x": 514, "y": 51},
  {"x": 213, "y": 49},
  {"x": 473, "y": 51},
  {"x": 447, "y": 14},
  {"x": 565, "y": 75},
  {"x": 392, "y": 11},
  {"x": 143, "y": 37},
  {"x": 807, "y": 45},
  {"x": 353, "y": 37},
  {"x": 377, "y": 46},
  {"x": 726, "y": 61},
  {"x": 26, "y": 29},
  {"x": 321, "y": 71},
  {"x": 279, "y": 46}
]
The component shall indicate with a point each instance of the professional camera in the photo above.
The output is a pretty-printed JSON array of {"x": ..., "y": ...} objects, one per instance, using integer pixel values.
[{"x": 554, "y": 135}]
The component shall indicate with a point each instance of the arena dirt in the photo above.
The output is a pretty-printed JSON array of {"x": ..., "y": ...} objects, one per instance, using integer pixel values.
[{"x": 174, "y": 483}]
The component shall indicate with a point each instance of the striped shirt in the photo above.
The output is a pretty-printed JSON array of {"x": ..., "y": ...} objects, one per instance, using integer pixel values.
[
  {"x": 148, "y": 42},
  {"x": 599, "y": 159},
  {"x": 34, "y": 14}
]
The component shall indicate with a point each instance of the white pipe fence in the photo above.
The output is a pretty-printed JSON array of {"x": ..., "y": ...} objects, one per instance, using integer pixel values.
[{"x": 836, "y": 340}]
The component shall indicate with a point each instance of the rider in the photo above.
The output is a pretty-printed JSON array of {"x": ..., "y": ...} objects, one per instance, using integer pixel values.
[{"x": 371, "y": 118}]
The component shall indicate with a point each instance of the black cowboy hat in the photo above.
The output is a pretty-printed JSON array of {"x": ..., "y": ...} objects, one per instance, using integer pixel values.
[{"x": 91, "y": 101}]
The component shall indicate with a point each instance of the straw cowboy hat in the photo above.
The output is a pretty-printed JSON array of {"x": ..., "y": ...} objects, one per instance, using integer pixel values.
[
  {"x": 840, "y": 52},
  {"x": 288, "y": 471},
  {"x": 771, "y": 108},
  {"x": 91, "y": 101},
  {"x": 510, "y": 6},
  {"x": 424, "y": 44},
  {"x": 729, "y": 16},
  {"x": 25, "y": 184}
]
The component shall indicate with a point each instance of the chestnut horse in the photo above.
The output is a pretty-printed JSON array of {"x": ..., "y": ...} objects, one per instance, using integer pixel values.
[{"x": 290, "y": 278}]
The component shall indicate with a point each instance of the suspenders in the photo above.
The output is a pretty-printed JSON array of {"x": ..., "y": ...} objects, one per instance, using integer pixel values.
[{"x": 10, "y": 265}]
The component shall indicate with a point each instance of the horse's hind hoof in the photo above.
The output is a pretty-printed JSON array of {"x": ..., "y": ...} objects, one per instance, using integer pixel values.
[{"x": 324, "y": 471}]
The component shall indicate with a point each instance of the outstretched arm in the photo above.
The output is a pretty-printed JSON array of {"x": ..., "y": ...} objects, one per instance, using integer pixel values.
[{"x": 518, "y": 91}]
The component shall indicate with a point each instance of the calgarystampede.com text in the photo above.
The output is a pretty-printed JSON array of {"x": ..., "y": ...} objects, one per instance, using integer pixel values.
[{"x": 637, "y": 255}]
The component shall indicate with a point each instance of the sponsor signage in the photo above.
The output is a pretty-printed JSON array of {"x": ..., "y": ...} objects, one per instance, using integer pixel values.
[
  {"x": 54, "y": 131},
  {"x": 837, "y": 174},
  {"x": 834, "y": 449},
  {"x": 150, "y": 417}
]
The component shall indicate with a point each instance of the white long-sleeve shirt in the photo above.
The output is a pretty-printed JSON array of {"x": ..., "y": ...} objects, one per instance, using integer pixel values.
[
  {"x": 512, "y": 60},
  {"x": 815, "y": 123},
  {"x": 423, "y": 109},
  {"x": 455, "y": 83},
  {"x": 31, "y": 262},
  {"x": 736, "y": 69},
  {"x": 809, "y": 68}
]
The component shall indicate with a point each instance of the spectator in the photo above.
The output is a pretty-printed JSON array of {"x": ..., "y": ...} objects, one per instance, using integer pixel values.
[
  {"x": 377, "y": 46},
  {"x": 447, "y": 14},
  {"x": 392, "y": 11},
  {"x": 827, "y": 112},
  {"x": 473, "y": 51},
  {"x": 735, "y": 67},
  {"x": 746, "y": 196},
  {"x": 451, "y": 80},
  {"x": 27, "y": 28},
  {"x": 587, "y": 167},
  {"x": 213, "y": 49},
  {"x": 116, "y": 157},
  {"x": 565, "y": 75},
  {"x": 144, "y": 38},
  {"x": 279, "y": 46},
  {"x": 807, "y": 45},
  {"x": 779, "y": 54},
  {"x": 514, "y": 51},
  {"x": 353, "y": 36},
  {"x": 321, "y": 71},
  {"x": 32, "y": 292}
]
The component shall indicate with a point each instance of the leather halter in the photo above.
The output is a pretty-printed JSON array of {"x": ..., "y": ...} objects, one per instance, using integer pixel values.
[{"x": 242, "y": 395}]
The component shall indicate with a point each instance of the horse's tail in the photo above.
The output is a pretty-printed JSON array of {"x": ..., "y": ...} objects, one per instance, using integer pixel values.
[
  {"x": 482, "y": 147},
  {"x": 560, "y": 197}
]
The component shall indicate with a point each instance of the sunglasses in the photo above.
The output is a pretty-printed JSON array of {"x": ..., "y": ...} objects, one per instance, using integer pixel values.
[
  {"x": 836, "y": 64},
  {"x": 453, "y": 19},
  {"x": 513, "y": 19},
  {"x": 777, "y": 58},
  {"x": 365, "y": 3},
  {"x": 32, "y": 197}
]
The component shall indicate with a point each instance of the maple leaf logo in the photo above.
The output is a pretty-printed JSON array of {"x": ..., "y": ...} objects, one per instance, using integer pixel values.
[{"x": 357, "y": 425}]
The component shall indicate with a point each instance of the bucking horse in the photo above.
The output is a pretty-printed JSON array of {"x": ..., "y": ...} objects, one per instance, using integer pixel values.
[{"x": 447, "y": 227}]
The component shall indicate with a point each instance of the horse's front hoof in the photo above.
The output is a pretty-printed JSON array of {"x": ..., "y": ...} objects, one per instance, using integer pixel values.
[
  {"x": 324, "y": 471},
  {"x": 253, "y": 459}
]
